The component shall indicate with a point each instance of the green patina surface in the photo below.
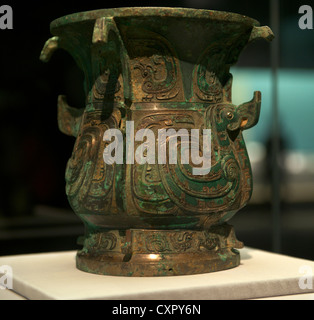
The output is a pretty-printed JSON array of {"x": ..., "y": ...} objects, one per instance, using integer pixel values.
[{"x": 161, "y": 68}]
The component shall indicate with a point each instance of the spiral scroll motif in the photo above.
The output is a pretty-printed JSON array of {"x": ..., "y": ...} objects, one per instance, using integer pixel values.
[
  {"x": 80, "y": 167},
  {"x": 108, "y": 241},
  {"x": 88, "y": 179},
  {"x": 182, "y": 241},
  {"x": 231, "y": 169},
  {"x": 157, "y": 243},
  {"x": 101, "y": 242},
  {"x": 201, "y": 194},
  {"x": 173, "y": 185}
]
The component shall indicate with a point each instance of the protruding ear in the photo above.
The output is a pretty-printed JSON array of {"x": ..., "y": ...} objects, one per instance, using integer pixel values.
[
  {"x": 249, "y": 112},
  {"x": 69, "y": 118},
  {"x": 49, "y": 48},
  {"x": 261, "y": 33}
]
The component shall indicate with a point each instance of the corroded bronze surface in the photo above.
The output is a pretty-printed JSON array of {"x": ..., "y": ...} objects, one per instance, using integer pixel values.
[
  {"x": 160, "y": 253},
  {"x": 161, "y": 68}
]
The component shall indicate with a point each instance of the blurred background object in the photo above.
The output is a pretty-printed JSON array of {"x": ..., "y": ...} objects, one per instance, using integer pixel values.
[{"x": 34, "y": 211}]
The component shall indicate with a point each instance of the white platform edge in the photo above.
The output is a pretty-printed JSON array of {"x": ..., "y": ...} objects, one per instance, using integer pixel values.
[{"x": 53, "y": 276}]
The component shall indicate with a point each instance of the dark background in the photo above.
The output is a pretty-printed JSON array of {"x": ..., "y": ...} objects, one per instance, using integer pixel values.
[{"x": 34, "y": 212}]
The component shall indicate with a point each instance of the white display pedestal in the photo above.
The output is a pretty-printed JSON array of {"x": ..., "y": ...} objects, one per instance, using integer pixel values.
[{"x": 260, "y": 275}]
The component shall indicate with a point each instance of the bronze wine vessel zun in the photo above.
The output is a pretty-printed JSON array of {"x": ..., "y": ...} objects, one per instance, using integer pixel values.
[{"x": 162, "y": 68}]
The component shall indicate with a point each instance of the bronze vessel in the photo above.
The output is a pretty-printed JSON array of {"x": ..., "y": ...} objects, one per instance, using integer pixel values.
[{"x": 162, "y": 68}]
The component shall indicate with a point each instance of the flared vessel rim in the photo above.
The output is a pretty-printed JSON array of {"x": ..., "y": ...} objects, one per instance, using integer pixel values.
[{"x": 175, "y": 12}]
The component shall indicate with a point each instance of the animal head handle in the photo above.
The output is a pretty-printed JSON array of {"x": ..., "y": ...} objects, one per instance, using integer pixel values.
[{"x": 246, "y": 115}]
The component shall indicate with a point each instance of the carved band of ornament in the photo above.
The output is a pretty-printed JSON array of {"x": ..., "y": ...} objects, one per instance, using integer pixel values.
[
  {"x": 156, "y": 242},
  {"x": 177, "y": 242}
]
